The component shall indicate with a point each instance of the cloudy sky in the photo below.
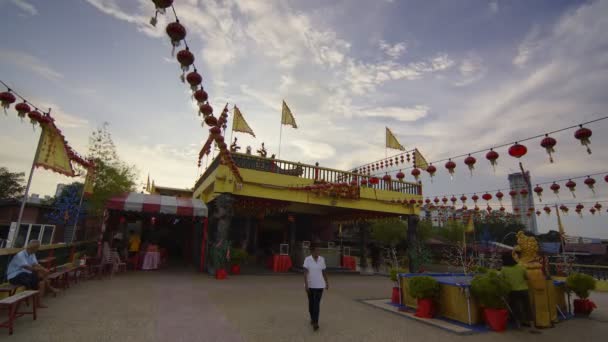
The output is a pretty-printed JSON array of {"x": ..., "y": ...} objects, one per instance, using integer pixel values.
[{"x": 448, "y": 77}]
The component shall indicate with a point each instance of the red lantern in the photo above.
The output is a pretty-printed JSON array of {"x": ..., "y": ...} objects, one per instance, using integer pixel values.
[
  {"x": 463, "y": 198},
  {"x": 436, "y": 200},
  {"x": 185, "y": 59},
  {"x": 547, "y": 210},
  {"x": 200, "y": 96},
  {"x": 539, "y": 191},
  {"x": 374, "y": 180},
  {"x": 487, "y": 197},
  {"x": 579, "y": 209},
  {"x": 555, "y": 187},
  {"x": 177, "y": 33},
  {"x": 427, "y": 201},
  {"x": 564, "y": 209},
  {"x": 6, "y": 99},
  {"x": 386, "y": 178},
  {"x": 524, "y": 193},
  {"x": 500, "y": 195},
  {"x": 592, "y": 211},
  {"x": 584, "y": 134},
  {"x": 513, "y": 193},
  {"x": 572, "y": 186},
  {"x": 475, "y": 198},
  {"x": 492, "y": 156},
  {"x": 598, "y": 206},
  {"x": 416, "y": 173},
  {"x": 420, "y": 202},
  {"x": 489, "y": 209},
  {"x": 444, "y": 200},
  {"x": 215, "y": 131},
  {"x": 211, "y": 120},
  {"x": 518, "y": 150},
  {"x": 431, "y": 170},
  {"x": 606, "y": 178},
  {"x": 502, "y": 209},
  {"x": 450, "y": 165},
  {"x": 161, "y": 6},
  {"x": 413, "y": 202},
  {"x": 364, "y": 181},
  {"x": 35, "y": 117},
  {"x": 401, "y": 157},
  {"x": 453, "y": 199},
  {"x": 464, "y": 207},
  {"x": 590, "y": 182},
  {"x": 400, "y": 175},
  {"x": 516, "y": 209},
  {"x": 549, "y": 143},
  {"x": 22, "y": 109},
  {"x": 470, "y": 162},
  {"x": 538, "y": 213},
  {"x": 206, "y": 110},
  {"x": 194, "y": 79}
]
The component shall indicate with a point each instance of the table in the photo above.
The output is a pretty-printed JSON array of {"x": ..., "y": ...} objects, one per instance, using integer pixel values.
[
  {"x": 151, "y": 261},
  {"x": 49, "y": 263},
  {"x": 281, "y": 263},
  {"x": 349, "y": 262}
]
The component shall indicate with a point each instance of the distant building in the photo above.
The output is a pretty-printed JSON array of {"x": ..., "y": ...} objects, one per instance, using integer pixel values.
[
  {"x": 517, "y": 181},
  {"x": 167, "y": 191}
]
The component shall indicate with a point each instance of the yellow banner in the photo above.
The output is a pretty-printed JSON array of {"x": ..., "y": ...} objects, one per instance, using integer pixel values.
[
  {"x": 239, "y": 124},
  {"x": 89, "y": 182},
  {"x": 392, "y": 142},
  {"x": 52, "y": 153},
  {"x": 470, "y": 225},
  {"x": 419, "y": 160},
  {"x": 287, "y": 117}
]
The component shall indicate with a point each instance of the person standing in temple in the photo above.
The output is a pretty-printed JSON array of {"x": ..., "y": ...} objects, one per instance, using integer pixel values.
[
  {"x": 519, "y": 299},
  {"x": 315, "y": 281}
]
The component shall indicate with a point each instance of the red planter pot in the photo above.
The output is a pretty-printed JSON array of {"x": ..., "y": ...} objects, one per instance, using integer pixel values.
[
  {"x": 221, "y": 274},
  {"x": 395, "y": 298},
  {"x": 496, "y": 318},
  {"x": 583, "y": 307},
  {"x": 426, "y": 308},
  {"x": 235, "y": 269}
]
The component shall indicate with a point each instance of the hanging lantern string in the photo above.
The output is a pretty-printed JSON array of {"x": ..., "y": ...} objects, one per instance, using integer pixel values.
[
  {"x": 387, "y": 158},
  {"x": 551, "y": 205},
  {"x": 521, "y": 188},
  {"x": 46, "y": 112},
  {"x": 499, "y": 146},
  {"x": 184, "y": 40}
]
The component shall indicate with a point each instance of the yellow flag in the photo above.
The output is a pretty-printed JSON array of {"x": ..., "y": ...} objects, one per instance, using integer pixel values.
[
  {"x": 89, "y": 182},
  {"x": 152, "y": 188},
  {"x": 287, "y": 117},
  {"x": 239, "y": 124},
  {"x": 392, "y": 142},
  {"x": 419, "y": 160},
  {"x": 470, "y": 225},
  {"x": 52, "y": 152}
]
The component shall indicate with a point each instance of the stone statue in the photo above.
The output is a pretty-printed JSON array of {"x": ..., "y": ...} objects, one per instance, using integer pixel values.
[
  {"x": 219, "y": 249},
  {"x": 234, "y": 147},
  {"x": 262, "y": 151},
  {"x": 248, "y": 150}
]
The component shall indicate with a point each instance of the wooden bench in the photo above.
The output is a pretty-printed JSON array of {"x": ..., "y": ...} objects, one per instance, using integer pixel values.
[
  {"x": 9, "y": 289},
  {"x": 49, "y": 263},
  {"x": 12, "y": 304}
]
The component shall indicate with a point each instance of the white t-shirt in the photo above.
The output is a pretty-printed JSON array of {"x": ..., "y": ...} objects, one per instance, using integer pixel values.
[{"x": 315, "y": 272}]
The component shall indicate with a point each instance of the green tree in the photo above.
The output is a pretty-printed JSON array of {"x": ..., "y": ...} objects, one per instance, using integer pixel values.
[
  {"x": 390, "y": 233},
  {"x": 112, "y": 175},
  {"x": 498, "y": 227},
  {"x": 11, "y": 183},
  {"x": 453, "y": 231}
]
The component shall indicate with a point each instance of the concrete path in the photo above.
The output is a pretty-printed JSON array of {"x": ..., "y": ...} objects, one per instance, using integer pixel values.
[{"x": 181, "y": 305}]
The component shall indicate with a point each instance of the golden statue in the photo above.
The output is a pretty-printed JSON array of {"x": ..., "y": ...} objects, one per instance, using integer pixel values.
[{"x": 526, "y": 254}]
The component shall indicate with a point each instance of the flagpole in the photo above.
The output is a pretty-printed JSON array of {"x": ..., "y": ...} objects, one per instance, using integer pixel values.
[
  {"x": 232, "y": 128},
  {"x": 29, "y": 181},
  {"x": 280, "y": 138}
]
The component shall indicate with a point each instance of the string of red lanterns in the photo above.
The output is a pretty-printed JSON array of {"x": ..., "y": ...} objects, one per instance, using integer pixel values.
[{"x": 516, "y": 150}]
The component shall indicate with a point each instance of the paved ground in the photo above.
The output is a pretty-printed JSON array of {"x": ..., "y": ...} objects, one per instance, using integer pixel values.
[{"x": 184, "y": 306}]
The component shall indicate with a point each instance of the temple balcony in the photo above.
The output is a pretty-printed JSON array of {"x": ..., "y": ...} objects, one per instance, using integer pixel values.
[{"x": 274, "y": 179}]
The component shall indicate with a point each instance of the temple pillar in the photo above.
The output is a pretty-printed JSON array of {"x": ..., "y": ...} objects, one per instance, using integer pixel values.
[{"x": 412, "y": 241}]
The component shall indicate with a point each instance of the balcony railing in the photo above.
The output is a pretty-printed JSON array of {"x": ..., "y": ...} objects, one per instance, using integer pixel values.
[{"x": 312, "y": 172}]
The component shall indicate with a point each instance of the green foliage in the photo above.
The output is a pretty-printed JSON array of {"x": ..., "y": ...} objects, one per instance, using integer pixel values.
[
  {"x": 490, "y": 289},
  {"x": 219, "y": 255},
  {"x": 452, "y": 231},
  {"x": 238, "y": 256},
  {"x": 395, "y": 271},
  {"x": 425, "y": 230},
  {"x": 581, "y": 284},
  {"x": 389, "y": 232},
  {"x": 112, "y": 176},
  {"x": 480, "y": 269},
  {"x": 11, "y": 183},
  {"x": 423, "y": 287},
  {"x": 498, "y": 226},
  {"x": 419, "y": 255}
]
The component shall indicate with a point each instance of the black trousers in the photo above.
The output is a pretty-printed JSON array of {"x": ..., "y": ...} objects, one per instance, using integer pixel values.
[
  {"x": 519, "y": 301},
  {"x": 314, "y": 304},
  {"x": 28, "y": 280}
]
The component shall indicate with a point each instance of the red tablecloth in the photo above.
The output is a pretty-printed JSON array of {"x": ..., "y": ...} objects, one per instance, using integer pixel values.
[
  {"x": 281, "y": 263},
  {"x": 349, "y": 262}
]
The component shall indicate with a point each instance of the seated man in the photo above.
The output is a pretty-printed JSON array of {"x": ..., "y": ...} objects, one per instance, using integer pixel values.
[{"x": 24, "y": 270}]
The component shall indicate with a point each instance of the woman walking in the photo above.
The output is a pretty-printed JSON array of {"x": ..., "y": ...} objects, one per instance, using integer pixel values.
[{"x": 315, "y": 280}]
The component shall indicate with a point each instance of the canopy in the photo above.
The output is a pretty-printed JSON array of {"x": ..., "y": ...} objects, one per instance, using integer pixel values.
[{"x": 158, "y": 204}]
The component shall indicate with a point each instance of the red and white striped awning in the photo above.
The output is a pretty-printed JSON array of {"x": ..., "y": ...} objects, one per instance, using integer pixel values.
[{"x": 158, "y": 204}]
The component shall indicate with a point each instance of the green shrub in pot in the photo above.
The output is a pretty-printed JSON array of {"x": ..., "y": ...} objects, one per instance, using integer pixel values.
[
  {"x": 581, "y": 284},
  {"x": 423, "y": 287},
  {"x": 490, "y": 289}
]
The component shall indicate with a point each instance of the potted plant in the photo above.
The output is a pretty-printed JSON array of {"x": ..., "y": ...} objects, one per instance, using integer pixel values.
[
  {"x": 219, "y": 257},
  {"x": 425, "y": 289},
  {"x": 581, "y": 285},
  {"x": 490, "y": 289},
  {"x": 394, "y": 275},
  {"x": 237, "y": 257}
]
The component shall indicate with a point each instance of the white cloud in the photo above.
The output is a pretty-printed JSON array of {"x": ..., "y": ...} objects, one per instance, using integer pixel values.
[
  {"x": 31, "y": 63},
  {"x": 472, "y": 69},
  {"x": 314, "y": 150},
  {"x": 527, "y": 48},
  {"x": 25, "y": 7},
  {"x": 393, "y": 51},
  {"x": 494, "y": 8},
  {"x": 399, "y": 113}
]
